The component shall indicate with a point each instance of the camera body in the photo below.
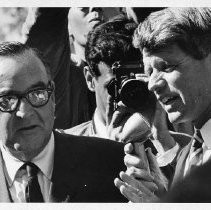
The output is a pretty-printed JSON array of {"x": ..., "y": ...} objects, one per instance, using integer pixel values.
[{"x": 126, "y": 88}]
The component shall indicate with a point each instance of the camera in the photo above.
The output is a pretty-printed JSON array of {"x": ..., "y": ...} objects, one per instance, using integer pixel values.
[{"x": 126, "y": 88}]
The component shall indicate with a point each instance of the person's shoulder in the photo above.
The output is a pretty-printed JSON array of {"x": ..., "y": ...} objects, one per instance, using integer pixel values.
[
  {"x": 87, "y": 141},
  {"x": 79, "y": 130}
]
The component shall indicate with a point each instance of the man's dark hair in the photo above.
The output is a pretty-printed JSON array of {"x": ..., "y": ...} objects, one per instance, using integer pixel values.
[
  {"x": 10, "y": 49},
  {"x": 189, "y": 28},
  {"x": 110, "y": 42}
]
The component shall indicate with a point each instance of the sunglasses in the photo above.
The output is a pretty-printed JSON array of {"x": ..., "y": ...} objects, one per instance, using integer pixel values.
[{"x": 37, "y": 98}]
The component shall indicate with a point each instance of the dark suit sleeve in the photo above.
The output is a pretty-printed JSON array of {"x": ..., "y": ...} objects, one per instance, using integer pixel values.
[
  {"x": 88, "y": 168},
  {"x": 47, "y": 30}
]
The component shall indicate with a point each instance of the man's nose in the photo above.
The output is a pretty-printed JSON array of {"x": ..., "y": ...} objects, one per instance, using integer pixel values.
[
  {"x": 24, "y": 109},
  {"x": 156, "y": 82}
]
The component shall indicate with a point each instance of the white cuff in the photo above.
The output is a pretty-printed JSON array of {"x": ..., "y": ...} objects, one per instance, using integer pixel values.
[{"x": 168, "y": 156}]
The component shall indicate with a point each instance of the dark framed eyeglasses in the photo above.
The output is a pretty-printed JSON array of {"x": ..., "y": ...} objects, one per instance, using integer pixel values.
[{"x": 37, "y": 98}]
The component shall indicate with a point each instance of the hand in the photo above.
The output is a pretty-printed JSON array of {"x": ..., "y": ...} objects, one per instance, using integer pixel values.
[
  {"x": 125, "y": 124},
  {"x": 138, "y": 184},
  {"x": 115, "y": 120},
  {"x": 134, "y": 190}
]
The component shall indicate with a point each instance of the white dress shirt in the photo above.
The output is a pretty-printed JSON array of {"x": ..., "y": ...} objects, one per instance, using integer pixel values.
[
  {"x": 206, "y": 146},
  {"x": 16, "y": 178}
]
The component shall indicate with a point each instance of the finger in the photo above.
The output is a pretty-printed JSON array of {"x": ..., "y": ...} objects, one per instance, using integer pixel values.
[
  {"x": 133, "y": 194},
  {"x": 129, "y": 193},
  {"x": 135, "y": 183},
  {"x": 160, "y": 180},
  {"x": 142, "y": 77},
  {"x": 135, "y": 161},
  {"x": 151, "y": 186},
  {"x": 144, "y": 177},
  {"x": 141, "y": 153},
  {"x": 128, "y": 148},
  {"x": 139, "y": 174},
  {"x": 153, "y": 164},
  {"x": 118, "y": 183}
]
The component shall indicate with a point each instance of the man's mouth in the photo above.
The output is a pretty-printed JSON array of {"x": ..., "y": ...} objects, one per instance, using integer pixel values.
[
  {"x": 168, "y": 100},
  {"x": 96, "y": 20}
]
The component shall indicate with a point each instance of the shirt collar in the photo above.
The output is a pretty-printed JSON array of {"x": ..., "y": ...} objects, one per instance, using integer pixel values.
[
  {"x": 43, "y": 160},
  {"x": 206, "y": 133}
]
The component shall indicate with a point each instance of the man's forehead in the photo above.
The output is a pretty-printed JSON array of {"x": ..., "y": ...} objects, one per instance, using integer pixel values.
[
  {"x": 21, "y": 71},
  {"x": 170, "y": 49},
  {"x": 172, "y": 52},
  {"x": 21, "y": 62}
]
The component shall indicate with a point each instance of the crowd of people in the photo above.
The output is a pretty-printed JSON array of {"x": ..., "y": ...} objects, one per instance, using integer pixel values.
[{"x": 107, "y": 105}]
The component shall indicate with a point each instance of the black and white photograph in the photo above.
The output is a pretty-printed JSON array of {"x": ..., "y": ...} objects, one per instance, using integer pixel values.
[{"x": 108, "y": 103}]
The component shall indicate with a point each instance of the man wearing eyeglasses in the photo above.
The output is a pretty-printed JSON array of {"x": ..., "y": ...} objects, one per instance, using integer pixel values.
[{"x": 36, "y": 164}]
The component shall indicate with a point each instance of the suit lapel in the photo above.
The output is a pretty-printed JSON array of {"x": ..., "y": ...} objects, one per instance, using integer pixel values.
[
  {"x": 4, "y": 191},
  {"x": 180, "y": 166}
]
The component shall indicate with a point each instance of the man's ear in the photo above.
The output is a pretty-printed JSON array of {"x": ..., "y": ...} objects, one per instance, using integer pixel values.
[{"x": 89, "y": 79}]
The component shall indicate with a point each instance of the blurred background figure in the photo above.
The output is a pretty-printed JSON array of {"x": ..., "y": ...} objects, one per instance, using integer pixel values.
[{"x": 11, "y": 20}]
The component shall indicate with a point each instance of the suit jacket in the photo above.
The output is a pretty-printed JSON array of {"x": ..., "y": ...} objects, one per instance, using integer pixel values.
[
  {"x": 84, "y": 170},
  {"x": 194, "y": 188},
  {"x": 180, "y": 164}
]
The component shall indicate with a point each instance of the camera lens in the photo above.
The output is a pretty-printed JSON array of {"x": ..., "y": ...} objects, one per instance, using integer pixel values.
[{"x": 135, "y": 94}]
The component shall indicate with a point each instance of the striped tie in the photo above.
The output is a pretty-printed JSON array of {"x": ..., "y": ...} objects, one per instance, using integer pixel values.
[
  {"x": 32, "y": 191},
  {"x": 196, "y": 151}
]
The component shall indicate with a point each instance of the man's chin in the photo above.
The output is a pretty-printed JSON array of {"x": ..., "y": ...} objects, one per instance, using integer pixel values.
[
  {"x": 18, "y": 152},
  {"x": 176, "y": 117},
  {"x": 23, "y": 153}
]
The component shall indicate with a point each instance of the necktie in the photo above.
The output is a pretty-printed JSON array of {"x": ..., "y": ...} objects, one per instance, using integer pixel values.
[
  {"x": 196, "y": 151},
  {"x": 32, "y": 191}
]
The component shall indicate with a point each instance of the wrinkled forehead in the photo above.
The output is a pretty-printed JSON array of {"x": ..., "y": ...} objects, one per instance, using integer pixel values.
[
  {"x": 170, "y": 53},
  {"x": 22, "y": 71}
]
